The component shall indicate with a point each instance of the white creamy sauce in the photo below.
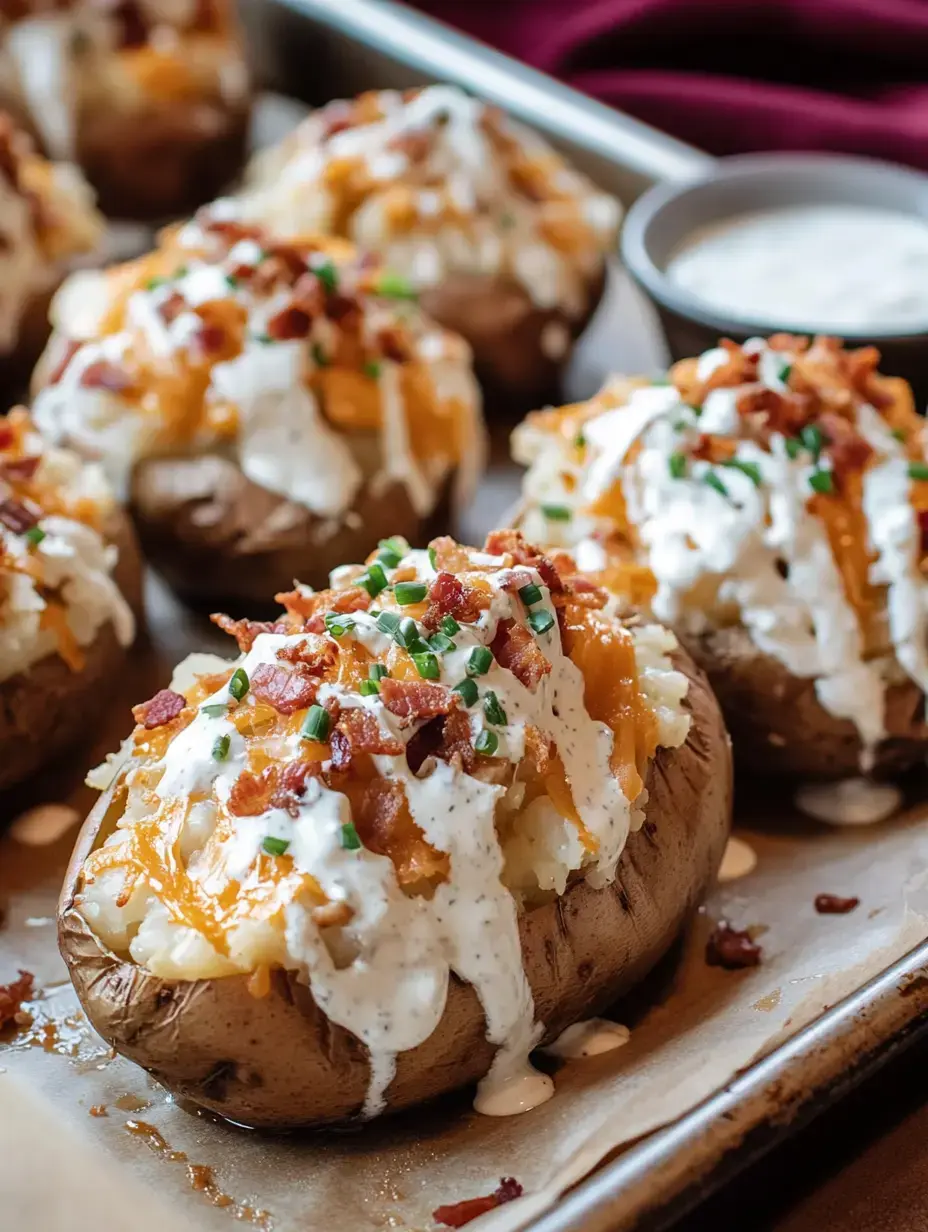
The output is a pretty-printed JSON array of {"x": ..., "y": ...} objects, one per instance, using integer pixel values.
[
  {"x": 589, "y": 1039},
  {"x": 850, "y": 802},
  {"x": 739, "y": 859},
  {"x": 812, "y": 267}
]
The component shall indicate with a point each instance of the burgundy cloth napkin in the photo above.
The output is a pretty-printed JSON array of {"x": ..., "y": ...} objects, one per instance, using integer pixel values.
[{"x": 733, "y": 75}]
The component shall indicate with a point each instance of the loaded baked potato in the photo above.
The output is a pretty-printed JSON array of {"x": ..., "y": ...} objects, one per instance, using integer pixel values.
[
  {"x": 769, "y": 502},
  {"x": 151, "y": 100},
  {"x": 47, "y": 218},
  {"x": 69, "y": 578},
  {"x": 266, "y": 407},
  {"x": 425, "y": 821},
  {"x": 504, "y": 242}
]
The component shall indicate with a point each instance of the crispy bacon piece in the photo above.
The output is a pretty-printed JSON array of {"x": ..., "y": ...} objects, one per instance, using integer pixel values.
[
  {"x": 105, "y": 375},
  {"x": 450, "y": 596},
  {"x": 834, "y": 904},
  {"x": 160, "y": 709},
  {"x": 501, "y": 542},
  {"x": 450, "y": 557},
  {"x": 13, "y": 995},
  {"x": 311, "y": 608},
  {"x": 456, "y": 740},
  {"x": 415, "y": 143},
  {"x": 358, "y": 731},
  {"x": 246, "y": 632},
  {"x": 731, "y": 949},
  {"x": 515, "y": 648},
  {"x": 923, "y": 528},
  {"x": 20, "y": 468},
  {"x": 7, "y": 435},
  {"x": 252, "y": 794},
  {"x": 343, "y": 309},
  {"x": 286, "y": 689},
  {"x": 291, "y": 784},
  {"x": 457, "y": 1214},
  {"x": 230, "y": 230},
  {"x": 850, "y": 452},
  {"x": 313, "y": 658},
  {"x": 415, "y": 699},
  {"x": 290, "y": 323},
  {"x": 19, "y": 516},
  {"x": 171, "y": 308},
  {"x": 784, "y": 413}
]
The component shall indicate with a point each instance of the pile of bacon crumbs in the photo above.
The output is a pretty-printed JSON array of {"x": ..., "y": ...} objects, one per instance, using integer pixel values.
[
  {"x": 457, "y": 1214},
  {"x": 12, "y": 996}
]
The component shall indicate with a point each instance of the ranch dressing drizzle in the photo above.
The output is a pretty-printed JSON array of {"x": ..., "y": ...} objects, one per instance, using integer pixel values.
[
  {"x": 589, "y": 1039},
  {"x": 391, "y": 989}
]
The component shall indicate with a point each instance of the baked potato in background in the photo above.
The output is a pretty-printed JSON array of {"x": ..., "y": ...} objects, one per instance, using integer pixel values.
[
  {"x": 70, "y": 579},
  {"x": 556, "y": 869},
  {"x": 152, "y": 101},
  {"x": 265, "y": 408},
  {"x": 505, "y": 242},
  {"x": 47, "y": 218},
  {"x": 770, "y": 502}
]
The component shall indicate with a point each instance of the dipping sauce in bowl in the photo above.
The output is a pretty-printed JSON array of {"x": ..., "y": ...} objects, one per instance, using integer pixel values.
[{"x": 839, "y": 268}]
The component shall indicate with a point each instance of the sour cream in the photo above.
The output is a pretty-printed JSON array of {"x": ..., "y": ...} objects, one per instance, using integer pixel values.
[{"x": 838, "y": 268}]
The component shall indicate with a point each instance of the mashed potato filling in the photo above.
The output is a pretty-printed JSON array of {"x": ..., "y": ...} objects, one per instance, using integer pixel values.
[
  {"x": 378, "y": 784},
  {"x": 780, "y": 484}
]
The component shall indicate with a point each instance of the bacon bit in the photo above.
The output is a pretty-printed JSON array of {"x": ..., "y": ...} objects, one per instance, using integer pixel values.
[
  {"x": 314, "y": 659},
  {"x": 731, "y": 949},
  {"x": 834, "y": 904},
  {"x": 172, "y": 307},
  {"x": 456, "y": 740},
  {"x": 716, "y": 449},
  {"x": 290, "y": 323},
  {"x": 7, "y": 435},
  {"x": 18, "y": 469},
  {"x": 12, "y": 996},
  {"x": 285, "y": 689},
  {"x": 850, "y": 452},
  {"x": 252, "y": 794},
  {"x": 511, "y": 542},
  {"x": 515, "y": 648},
  {"x": 342, "y": 308},
  {"x": 246, "y": 632},
  {"x": 358, "y": 731},
  {"x": 104, "y": 375},
  {"x": 210, "y": 338},
  {"x": 228, "y": 228},
  {"x": 394, "y": 344},
  {"x": 97, "y": 1110},
  {"x": 310, "y": 608},
  {"x": 923, "y": 528},
  {"x": 414, "y": 143},
  {"x": 457, "y": 1214},
  {"x": 70, "y": 349},
  {"x": 450, "y": 557},
  {"x": 165, "y": 706},
  {"x": 292, "y": 784},
  {"x": 415, "y": 699},
  {"x": 332, "y": 915},
  {"x": 450, "y": 596},
  {"x": 19, "y": 516}
]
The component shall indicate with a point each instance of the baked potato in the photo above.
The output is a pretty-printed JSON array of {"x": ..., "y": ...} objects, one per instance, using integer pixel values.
[
  {"x": 769, "y": 502},
  {"x": 504, "y": 241},
  {"x": 424, "y": 822},
  {"x": 47, "y": 218},
  {"x": 264, "y": 407},
  {"x": 151, "y": 100},
  {"x": 69, "y": 581}
]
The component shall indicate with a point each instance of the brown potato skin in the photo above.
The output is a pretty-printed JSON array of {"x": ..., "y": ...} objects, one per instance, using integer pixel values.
[
  {"x": 278, "y": 1062},
  {"x": 17, "y": 364},
  {"x": 504, "y": 328},
  {"x": 50, "y": 708},
  {"x": 218, "y": 538},
  {"x": 779, "y": 726}
]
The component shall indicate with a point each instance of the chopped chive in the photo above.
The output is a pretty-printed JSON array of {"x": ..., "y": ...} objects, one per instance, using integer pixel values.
[
  {"x": 450, "y": 626},
  {"x": 579, "y": 441},
  {"x": 468, "y": 691},
  {"x": 221, "y": 747},
  {"x": 372, "y": 369},
  {"x": 406, "y": 593},
  {"x": 811, "y": 437},
  {"x": 154, "y": 283},
  {"x": 337, "y": 624},
  {"x": 215, "y": 712},
  {"x": 433, "y": 558},
  {"x": 266, "y": 339},
  {"x": 479, "y": 661},
  {"x": 374, "y": 580},
  {"x": 377, "y": 671},
  {"x": 793, "y": 447},
  {"x": 408, "y": 636},
  {"x": 391, "y": 552},
  {"x": 388, "y": 622},
  {"x": 350, "y": 838},
  {"x": 540, "y": 621},
  {"x": 751, "y": 469},
  {"x": 316, "y": 724},
  {"x": 239, "y": 685},
  {"x": 918, "y": 470},
  {"x": 231, "y": 281},
  {"x": 275, "y": 846},
  {"x": 899, "y": 434},
  {"x": 493, "y": 710},
  {"x": 530, "y": 594},
  {"x": 784, "y": 373},
  {"x": 427, "y": 666},
  {"x": 556, "y": 513},
  {"x": 35, "y": 535},
  {"x": 181, "y": 272},
  {"x": 320, "y": 359},
  {"x": 822, "y": 482},
  {"x": 441, "y": 644},
  {"x": 327, "y": 275},
  {"x": 711, "y": 480},
  {"x": 369, "y": 688},
  {"x": 394, "y": 286},
  {"x": 487, "y": 743},
  {"x": 676, "y": 464},
  {"x": 696, "y": 408}
]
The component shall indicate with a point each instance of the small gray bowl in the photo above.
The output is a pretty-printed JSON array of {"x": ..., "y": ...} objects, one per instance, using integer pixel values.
[{"x": 661, "y": 219}]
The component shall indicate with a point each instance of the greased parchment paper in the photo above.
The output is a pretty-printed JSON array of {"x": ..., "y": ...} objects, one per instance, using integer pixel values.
[{"x": 87, "y": 1140}]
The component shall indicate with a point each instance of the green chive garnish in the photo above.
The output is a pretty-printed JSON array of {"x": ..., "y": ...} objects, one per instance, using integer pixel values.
[
  {"x": 231, "y": 281},
  {"x": 676, "y": 464},
  {"x": 350, "y": 839},
  {"x": 487, "y": 743},
  {"x": 154, "y": 283},
  {"x": 327, "y": 275},
  {"x": 394, "y": 286},
  {"x": 479, "y": 661},
  {"x": 493, "y": 710},
  {"x": 238, "y": 685},
  {"x": 899, "y": 434},
  {"x": 372, "y": 369},
  {"x": 369, "y": 688},
  {"x": 180, "y": 272},
  {"x": 406, "y": 593},
  {"x": 433, "y": 558},
  {"x": 427, "y": 666},
  {"x": 441, "y": 644},
  {"x": 275, "y": 846},
  {"x": 822, "y": 482},
  {"x": 918, "y": 470},
  {"x": 388, "y": 622},
  {"x": 695, "y": 408},
  {"x": 374, "y": 580},
  {"x": 811, "y": 437},
  {"x": 540, "y": 621},
  {"x": 35, "y": 535},
  {"x": 391, "y": 552},
  {"x": 377, "y": 671},
  {"x": 579, "y": 441},
  {"x": 215, "y": 712},
  {"x": 450, "y": 626},
  {"x": 556, "y": 513},
  {"x": 751, "y": 469},
  {"x": 221, "y": 747},
  {"x": 266, "y": 339},
  {"x": 467, "y": 690},
  {"x": 320, "y": 358},
  {"x": 711, "y": 479},
  {"x": 316, "y": 724},
  {"x": 784, "y": 372},
  {"x": 337, "y": 624},
  {"x": 530, "y": 594},
  {"x": 793, "y": 447}
]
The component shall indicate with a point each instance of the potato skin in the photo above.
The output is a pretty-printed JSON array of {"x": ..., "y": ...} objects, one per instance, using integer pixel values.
[
  {"x": 50, "y": 708},
  {"x": 17, "y": 364},
  {"x": 220, "y": 539},
  {"x": 778, "y": 724},
  {"x": 278, "y": 1062}
]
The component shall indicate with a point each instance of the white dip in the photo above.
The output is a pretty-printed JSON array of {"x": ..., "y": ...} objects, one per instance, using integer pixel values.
[{"x": 836, "y": 268}]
